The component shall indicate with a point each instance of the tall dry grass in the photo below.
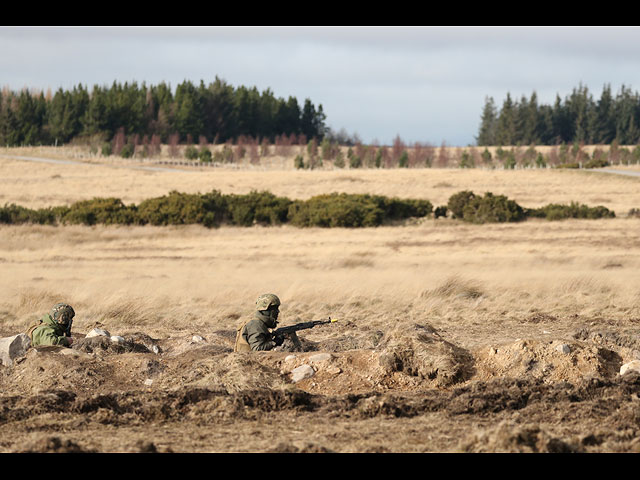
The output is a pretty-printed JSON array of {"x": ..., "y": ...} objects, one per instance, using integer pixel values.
[
  {"x": 472, "y": 281},
  {"x": 477, "y": 283}
]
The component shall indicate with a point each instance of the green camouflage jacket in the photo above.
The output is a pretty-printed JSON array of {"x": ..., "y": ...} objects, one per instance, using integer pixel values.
[
  {"x": 49, "y": 333},
  {"x": 256, "y": 333}
]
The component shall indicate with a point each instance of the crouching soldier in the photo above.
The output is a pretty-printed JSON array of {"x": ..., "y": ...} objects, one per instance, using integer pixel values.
[
  {"x": 54, "y": 327},
  {"x": 255, "y": 333}
]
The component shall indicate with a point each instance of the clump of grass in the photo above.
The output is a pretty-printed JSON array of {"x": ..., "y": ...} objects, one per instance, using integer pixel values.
[{"x": 456, "y": 286}]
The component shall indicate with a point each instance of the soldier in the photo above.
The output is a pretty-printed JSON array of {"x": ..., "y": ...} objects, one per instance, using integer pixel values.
[
  {"x": 54, "y": 327},
  {"x": 254, "y": 333}
]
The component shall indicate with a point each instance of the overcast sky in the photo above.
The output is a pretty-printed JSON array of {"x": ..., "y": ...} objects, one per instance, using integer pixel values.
[{"x": 425, "y": 84}]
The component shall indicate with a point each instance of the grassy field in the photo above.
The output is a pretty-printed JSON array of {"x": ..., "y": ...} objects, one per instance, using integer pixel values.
[
  {"x": 194, "y": 278},
  {"x": 419, "y": 305}
]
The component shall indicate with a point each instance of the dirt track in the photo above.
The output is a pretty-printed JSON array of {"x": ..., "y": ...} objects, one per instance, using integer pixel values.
[{"x": 406, "y": 390}]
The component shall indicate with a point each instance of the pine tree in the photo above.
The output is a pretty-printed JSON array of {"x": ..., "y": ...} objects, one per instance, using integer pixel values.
[{"x": 488, "y": 121}]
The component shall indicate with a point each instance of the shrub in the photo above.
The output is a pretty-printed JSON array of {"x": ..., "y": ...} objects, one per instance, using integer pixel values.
[
  {"x": 440, "y": 211},
  {"x": 191, "y": 153},
  {"x": 127, "y": 151},
  {"x": 173, "y": 209},
  {"x": 257, "y": 207},
  {"x": 403, "y": 161},
  {"x": 597, "y": 163},
  {"x": 15, "y": 214},
  {"x": 205, "y": 155},
  {"x": 106, "y": 149},
  {"x": 353, "y": 210},
  {"x": 298, "y": 162},
  {"x": 469, "y": 207},
  {"x": 98, "y": 210},
  {"x": 458, "y": 201},
  {"x": 634, "y": 212},
  {"x": 573, "y": 210}
]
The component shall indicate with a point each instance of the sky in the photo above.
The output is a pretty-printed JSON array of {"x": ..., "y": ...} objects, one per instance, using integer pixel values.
[{"x": 423, "y": 84}]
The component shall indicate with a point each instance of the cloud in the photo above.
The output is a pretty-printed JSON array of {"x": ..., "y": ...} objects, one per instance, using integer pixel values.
[{"x": 425, "y": 84}]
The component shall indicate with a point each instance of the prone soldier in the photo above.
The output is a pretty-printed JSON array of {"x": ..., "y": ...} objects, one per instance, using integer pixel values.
[{"x": 54, "y": 327}]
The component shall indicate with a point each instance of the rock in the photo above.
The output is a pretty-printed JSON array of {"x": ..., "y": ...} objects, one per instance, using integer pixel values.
[
  {"x": 197, "y": 339},
  {"x": 302, "y": 372},
  {"x": 98, "y": 332},
  {"x": 148, "y": 382},
  {"x": 117, "y": 339},
  {"x": 319, "y": 357},
  {"x": 289, "y": 358},
  {"x": 12, "y": 348},
  {"x": 563, "y": 348},
  {"x": 633, "y": 366}
]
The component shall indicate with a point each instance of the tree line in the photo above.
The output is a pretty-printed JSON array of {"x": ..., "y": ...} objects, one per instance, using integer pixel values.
[
  {"x": 579, "y": 118},
  {"x": 217, "y": 112}
]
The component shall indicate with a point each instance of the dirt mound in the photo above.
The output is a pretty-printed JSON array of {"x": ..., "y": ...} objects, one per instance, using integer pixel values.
[
  {"x": 551, "y": 361},
  {"x": 510, "y": 438},
  {"x": 420, "y": 351}
]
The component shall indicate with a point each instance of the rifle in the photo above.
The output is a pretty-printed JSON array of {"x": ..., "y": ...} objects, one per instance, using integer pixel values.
[{"x": 301, "y": 326}]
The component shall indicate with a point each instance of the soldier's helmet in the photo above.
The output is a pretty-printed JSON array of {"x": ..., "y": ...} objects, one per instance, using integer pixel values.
[
  {"x": 267, "y": 300},
  {"x": 62, "y": 313}
]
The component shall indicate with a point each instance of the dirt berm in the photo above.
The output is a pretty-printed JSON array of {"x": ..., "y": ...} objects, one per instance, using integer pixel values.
[{"x": 404, "y": 390}]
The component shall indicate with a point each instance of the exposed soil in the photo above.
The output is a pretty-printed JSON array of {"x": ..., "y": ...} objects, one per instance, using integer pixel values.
[{"x": 408, "y": 389}]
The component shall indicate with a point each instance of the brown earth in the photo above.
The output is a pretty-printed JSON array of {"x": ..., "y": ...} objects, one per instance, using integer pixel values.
[{"x": 408, "y": 389}]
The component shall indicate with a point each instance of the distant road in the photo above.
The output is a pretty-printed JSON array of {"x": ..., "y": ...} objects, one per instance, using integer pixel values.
[{"x": 619, "y": 172}]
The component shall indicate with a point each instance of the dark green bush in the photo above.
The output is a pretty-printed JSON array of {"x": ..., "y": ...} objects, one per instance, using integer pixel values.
[
  {"x": 574, "y": 210},
  {"x": 469, "y": 207},
  {"x": 353, "y": 210},
  {"x": 205, "y": 155},
  {"x": 257, "y": 208},
  {"x": 127, "y": 151},
  {"x": 596, "y": 163},
  {"x": 440, "y": 211},
  {"x": 15, "y": 214},
  {"x": 191, "y": 153},
  {"x": 173, "y": 209},
  {"x": 335, "y": 210},
  {"x": 458, "y": 201},
  {"x": 105, "y": 211}
]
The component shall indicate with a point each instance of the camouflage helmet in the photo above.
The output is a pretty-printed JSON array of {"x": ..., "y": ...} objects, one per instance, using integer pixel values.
[
  {"x": 62, "y": 313},
  {"x": 267, "y": 300}
]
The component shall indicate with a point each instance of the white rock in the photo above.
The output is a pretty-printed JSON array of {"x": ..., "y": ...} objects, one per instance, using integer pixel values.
[
  {"x": 289, "y": 358},
  {"x": 98, "y": 332},
  {"x": 563, "y": 348},
  {"x": 319, "y": 357},
  {"x": 117, "y": 339},
  {"x": 302, "y": 372},
  {"x": 12, "y": 348},
  {"x": 148, "y": 382},
  {"x": 197, "y": 339},
  {"x": 633, "y": 366}
]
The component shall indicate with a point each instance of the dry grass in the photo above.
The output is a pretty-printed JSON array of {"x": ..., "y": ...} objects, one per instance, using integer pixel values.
[{"x": 476, "y": 282}]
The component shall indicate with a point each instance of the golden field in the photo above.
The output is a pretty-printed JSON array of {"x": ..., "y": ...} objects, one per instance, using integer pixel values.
[
  {"x": 196, "y": 278},
  {"x": 474, "y": 316}
]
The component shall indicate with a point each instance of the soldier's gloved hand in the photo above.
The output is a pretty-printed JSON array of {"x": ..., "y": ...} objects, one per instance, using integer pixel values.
[{"x": 278, "y": 339}]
